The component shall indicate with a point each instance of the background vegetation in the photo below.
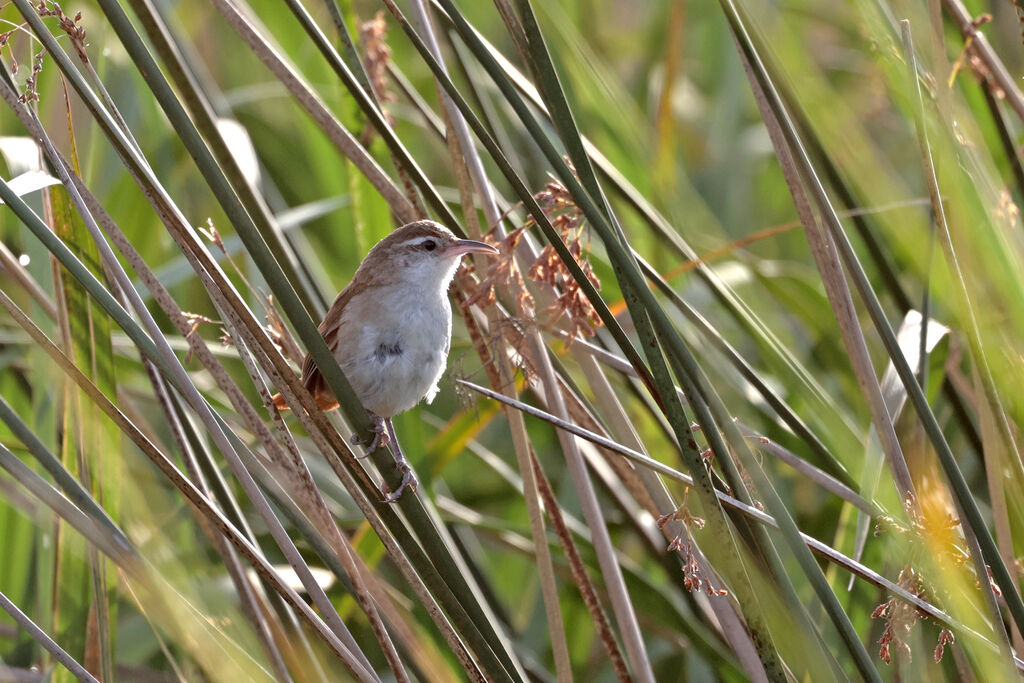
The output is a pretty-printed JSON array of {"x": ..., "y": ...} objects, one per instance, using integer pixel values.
[{"x": 760, "y": 298}]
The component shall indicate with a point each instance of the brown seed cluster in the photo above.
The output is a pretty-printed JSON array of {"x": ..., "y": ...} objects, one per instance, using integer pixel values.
[
  {"x": 931, "y": 528},
  {"x": 503, "y": 273},
  {"x": 278, "y": 333},
  {"x": 681, "y": 513},
  {"x": 275, "y": 327},
  {"x": 693, "y": 578},
  {"x": 5, "y": 38},
  {"x": 70, "y": 26},
  {"x": 946, "y": 637},
  {"x": 550, "y": 269},
  {"x": 194, "y": 320},
  {"x": 374, "y": 34},
  {"x": 47, "y": 8},
  {"x": 31, "y": 93},
  {"x": 900, "y": 617}
]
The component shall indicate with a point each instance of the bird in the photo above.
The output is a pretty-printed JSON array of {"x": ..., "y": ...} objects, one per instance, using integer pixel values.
[{"x": 390, "y": 329}]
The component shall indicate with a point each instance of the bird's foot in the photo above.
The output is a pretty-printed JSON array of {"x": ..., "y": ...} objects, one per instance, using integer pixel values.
[
  {"x": 380, "y": 437},
  {"x": 408, "y": 481}
]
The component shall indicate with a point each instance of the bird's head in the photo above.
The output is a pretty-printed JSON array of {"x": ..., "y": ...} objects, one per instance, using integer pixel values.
[{"x": 424, "y": 252}]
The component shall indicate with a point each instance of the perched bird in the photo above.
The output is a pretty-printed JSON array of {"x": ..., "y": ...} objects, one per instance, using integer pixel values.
[{"x": 390, "y": 329}]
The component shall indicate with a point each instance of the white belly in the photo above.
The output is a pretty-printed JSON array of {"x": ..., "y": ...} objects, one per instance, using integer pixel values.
[{"x": 394, "y": 356}]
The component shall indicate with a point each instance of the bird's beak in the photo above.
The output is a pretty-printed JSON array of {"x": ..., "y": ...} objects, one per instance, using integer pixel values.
[{"x": 469, "y": 247}]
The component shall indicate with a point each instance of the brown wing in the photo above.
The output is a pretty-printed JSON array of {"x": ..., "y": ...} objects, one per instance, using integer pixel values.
[{"x": 311, "y": 377}]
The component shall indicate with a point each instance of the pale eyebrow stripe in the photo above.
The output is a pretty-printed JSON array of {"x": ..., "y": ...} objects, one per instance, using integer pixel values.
[{"x": 417, "y": 240}]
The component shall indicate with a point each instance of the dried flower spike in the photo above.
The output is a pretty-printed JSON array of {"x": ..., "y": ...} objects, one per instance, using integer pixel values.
[
  {"x": 374, "y": 34},
  {"x": 550, "y": 269},
  {"x": 502, "y": 273}
]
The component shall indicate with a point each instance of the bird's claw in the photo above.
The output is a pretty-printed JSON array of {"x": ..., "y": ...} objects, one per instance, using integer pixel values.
[
  {"x": 408, "y": 480},
  {"x": 380, "y": 438}
]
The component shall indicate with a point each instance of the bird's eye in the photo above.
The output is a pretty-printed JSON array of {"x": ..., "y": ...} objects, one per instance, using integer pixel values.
[{"x": 430, "y": 245}]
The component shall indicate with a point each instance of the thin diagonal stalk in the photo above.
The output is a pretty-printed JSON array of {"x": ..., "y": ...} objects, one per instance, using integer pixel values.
[
  {"x": 12, "y": 268},
  {"x": 823, "y": 549},
  {"x": 1010, "y": 150},
  {"x": 292, "y": 463},
  {"x": 232, "y": 564},
  {"x": 308, "y": 99},
  {"x": 352, "y": 58},
  {"x": 789, "y": 416},
  {"x": 984, "y": 371},
  {"x": 641, "y": 304},
  {"x": 430, "y": 119},
  {"x": 620, "y": 365},
  {"x": 622, "y": 606},
  {"x": 125, "y": 556},
  {"x": 48, "y": 643},
  {"x": 470, "y": 73},
  {"x": 701, "y": 637},
  {"x": 224, "y": 496},
  {"x": 458, "y": 124},
  {"x": 501, "y": 374},
  {"x": 907, "y": 376},
  {"x": 71, "y": 487},
  {"x": 203, "y": 114},
  {"x": 882, "y": 262},
  {"x": 529, "y": 202},
  {"x": 355, "y": 65},
  {"x": 659, "y": 387},
  {"x": 170, "y": 365},
  {"x": 724, "y": 612},
  {"x": 823, "y": 455},
  {"x": 466, "y": 158},
  {"x": 317, "y": 509},
  {"x": 746, "y": 317},
  {"x": 785, "y": 412},
  {"x": 329, "y": 556},
  {"x": 98, "y": 535},
  {"x": 654, "y": 490},
  {"x": 362, "y": 666},
  {"x": 432, "y": 544},
  {"x": 180, "y": 481},
  {"x": 965, "y": 22},
  {"x": 579, "y": 572},
  {"x": 366, "y": 100},
  {"x": 826, "y": 258},
  {"x": 297, "y": 469},
  {"x": 284, "y": 292}
]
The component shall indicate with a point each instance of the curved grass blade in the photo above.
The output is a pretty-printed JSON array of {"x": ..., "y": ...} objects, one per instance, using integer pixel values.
[
  {"x": 285, "y": 295},
  {"x": 206, "y": 121},
  {"x": 958, "y": 483},
  {"x": 58, "y": 653},
  {"x": 733, "y": 304},
  {"x": 631, "y": 279},
  {"x": 98, "y": 444},
  {"x": 826, "y": 551},
  {"x": 663, "y": 390}
]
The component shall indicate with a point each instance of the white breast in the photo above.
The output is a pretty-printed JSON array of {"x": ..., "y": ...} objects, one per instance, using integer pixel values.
[{"x": 394, "y": 353}]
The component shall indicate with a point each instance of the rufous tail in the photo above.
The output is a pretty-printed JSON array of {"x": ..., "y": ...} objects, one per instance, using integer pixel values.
[{"x": 325, "y": 402}]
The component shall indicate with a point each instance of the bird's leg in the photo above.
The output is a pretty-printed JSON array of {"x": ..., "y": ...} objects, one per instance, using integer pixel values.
[
  {"x": 380, "y": 436},
  {"x": 408, "y": 478}
]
